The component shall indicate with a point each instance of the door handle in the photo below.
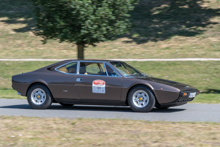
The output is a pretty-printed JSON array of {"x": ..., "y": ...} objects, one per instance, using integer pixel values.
[{"x": 79, "y": 80}]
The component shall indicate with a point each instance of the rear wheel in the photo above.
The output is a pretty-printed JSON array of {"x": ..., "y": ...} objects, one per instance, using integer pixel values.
[
  {"x": 66, "y": 105},
  {"x": 141, "y": 99},
  {"x": 39, "y": 97}
]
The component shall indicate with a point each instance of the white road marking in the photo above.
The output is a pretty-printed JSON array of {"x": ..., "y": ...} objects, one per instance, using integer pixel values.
[
  {"x": 178, "y": 59},
  {"x": 32, "y": 59}
]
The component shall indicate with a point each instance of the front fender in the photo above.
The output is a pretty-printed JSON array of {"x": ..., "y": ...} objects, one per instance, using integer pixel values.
[
  {"x": 165, "y": 93},
  {"x": 128, "y": 84}
]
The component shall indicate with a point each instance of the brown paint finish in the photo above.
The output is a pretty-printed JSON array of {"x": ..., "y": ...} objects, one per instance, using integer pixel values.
[
  {"x": 64, "y": 86},
  {"x": 77, "y": 88},
  {"x": 112, "y": 88},
  {"x": 168, "y": 96}
]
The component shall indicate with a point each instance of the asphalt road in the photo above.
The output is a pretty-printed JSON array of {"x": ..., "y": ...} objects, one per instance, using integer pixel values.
[{"x": 186, "y": 113}]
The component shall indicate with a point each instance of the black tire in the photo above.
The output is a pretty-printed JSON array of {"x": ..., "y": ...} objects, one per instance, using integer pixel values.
[
  {"x": 150, "y": 104},
  {"x": 66, "y": 105},
  {"x": 48, "y": 96}
]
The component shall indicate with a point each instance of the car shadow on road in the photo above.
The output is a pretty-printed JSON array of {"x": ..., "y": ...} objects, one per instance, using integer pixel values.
[{"x": 94, "y": 108}]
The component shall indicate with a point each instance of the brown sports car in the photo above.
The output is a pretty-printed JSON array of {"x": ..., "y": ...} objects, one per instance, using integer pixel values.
[{"x": 99, "y": 82}]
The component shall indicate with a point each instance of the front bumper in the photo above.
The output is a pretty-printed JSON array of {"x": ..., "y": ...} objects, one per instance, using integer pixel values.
[
  {"x": 186, "y": 98},
  {"x": 182, "y": 99}
]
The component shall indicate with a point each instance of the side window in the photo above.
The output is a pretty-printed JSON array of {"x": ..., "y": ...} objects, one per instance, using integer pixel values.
[
  {"x": 91, "y": 68},
  {"x": 69, "y": 68},
  {"x": 110, "y": 71}
]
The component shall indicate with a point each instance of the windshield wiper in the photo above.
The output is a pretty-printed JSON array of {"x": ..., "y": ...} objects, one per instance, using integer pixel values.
[
  {"x": 136, "y": 74},
  {"x": 144, "y": 74}
]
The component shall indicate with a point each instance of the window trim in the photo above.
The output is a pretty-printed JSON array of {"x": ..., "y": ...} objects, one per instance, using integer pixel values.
[
  {"x": 78, "y": 67},
  {"x": 105, "y": 69},
  {"x": 56, "y": 69},
  {"x": 93, "y": 62},
  {"x": 135, "y": 69},
  {"x": 116, "y": 68},
  {"x": 125, "y": 63},
  {"x": 119, "y": 75}
]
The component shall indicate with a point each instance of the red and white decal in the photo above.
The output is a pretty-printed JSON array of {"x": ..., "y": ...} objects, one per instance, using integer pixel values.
[{"x": 98, "y": 86}]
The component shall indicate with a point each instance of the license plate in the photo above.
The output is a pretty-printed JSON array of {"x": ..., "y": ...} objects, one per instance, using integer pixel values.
[{"x": 192, "y": 95}]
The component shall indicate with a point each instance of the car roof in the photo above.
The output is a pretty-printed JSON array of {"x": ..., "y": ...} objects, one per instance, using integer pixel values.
[
  {"x": 93, "y": 60},
  {"x": 53, "y": 66}
]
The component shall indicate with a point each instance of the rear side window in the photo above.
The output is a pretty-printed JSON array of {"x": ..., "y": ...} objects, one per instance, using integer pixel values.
[
  {"x": 68, "y": 68},
  {"x": 91, "y": 68}
]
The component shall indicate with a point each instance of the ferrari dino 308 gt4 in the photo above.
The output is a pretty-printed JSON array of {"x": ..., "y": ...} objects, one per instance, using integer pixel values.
[{"x": 99, "y": 82}]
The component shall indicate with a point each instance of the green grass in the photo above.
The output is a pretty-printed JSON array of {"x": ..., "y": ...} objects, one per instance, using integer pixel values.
[
  {"x": 38, "y": 132},
  {"x": 207, "y": 98},
  {"x": 8, "y": 69},
  {"x": 10, "y": 94},
  {"x": 203, "y": 75},
  {"x": 159, "y": 32}
]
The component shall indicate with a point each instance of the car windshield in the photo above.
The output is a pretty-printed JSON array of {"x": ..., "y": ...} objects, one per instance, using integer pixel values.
[{"x": 127, "y": 70}]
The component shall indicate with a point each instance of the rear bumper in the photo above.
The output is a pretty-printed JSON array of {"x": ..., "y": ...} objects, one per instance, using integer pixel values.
[
  {"x": 21, "y": 88},
  {"x": 181, "y": 100}
]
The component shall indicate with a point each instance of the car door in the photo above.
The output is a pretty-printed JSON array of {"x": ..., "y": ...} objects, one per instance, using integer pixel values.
[
  {"x": 63, "y": 81},
  {"x": 93, "y": 82}
]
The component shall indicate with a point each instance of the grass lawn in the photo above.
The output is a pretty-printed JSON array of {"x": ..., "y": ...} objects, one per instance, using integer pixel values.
[
  {"x": 203, "y": 75},
  {"x": 159, "y": 32},
  {"x": 207, "y": 98},
  {"x": 104, "y": 132}
]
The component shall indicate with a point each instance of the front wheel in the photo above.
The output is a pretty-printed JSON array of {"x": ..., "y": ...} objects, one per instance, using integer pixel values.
[
  {"x": 39, "y": 97},
  {"x": 141, "y": 99}
]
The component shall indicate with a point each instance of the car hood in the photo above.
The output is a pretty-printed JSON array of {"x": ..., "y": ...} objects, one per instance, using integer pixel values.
[{"x": 178, "y": 85}]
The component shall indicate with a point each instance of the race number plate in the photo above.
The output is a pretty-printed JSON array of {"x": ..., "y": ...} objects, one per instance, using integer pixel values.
[
  {"x": 192, "y": 95},
  {"x": 98, "y": 86}
]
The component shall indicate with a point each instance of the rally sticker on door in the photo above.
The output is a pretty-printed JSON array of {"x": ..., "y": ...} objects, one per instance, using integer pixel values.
[{"x": 98, "y": 86}]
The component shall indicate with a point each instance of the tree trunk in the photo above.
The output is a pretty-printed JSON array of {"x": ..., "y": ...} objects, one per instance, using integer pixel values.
[
  {"x": 193, "y": 4},
  {"x": 80, "y": 49},
  {"x": 173, "y": 4}
]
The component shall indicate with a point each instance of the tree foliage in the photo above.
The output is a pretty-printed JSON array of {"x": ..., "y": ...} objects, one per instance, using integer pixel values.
[{"x": 82, "y": 21}]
